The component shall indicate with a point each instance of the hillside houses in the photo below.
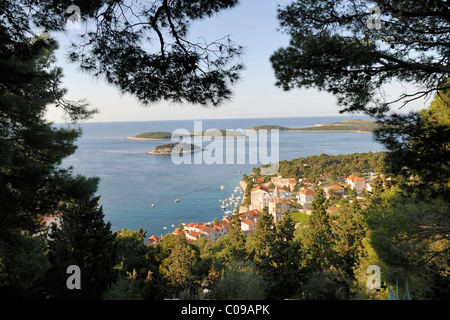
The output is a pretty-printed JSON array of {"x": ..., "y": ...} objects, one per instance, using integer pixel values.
[{"x": 278, "y": 196}]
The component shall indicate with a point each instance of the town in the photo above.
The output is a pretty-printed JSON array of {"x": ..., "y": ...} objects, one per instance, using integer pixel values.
[{"x": 279, "y": 195}]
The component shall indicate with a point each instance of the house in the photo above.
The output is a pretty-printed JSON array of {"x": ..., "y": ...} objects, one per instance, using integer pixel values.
[
  {"x": 284, "y": 182},
  {"x": 153, "y": 240},
  {"x": 192, "y": 235},
  {"x": 248, "y": 225},
  {"x": 50, "y": 219},
  {"x": 251, "y": 215},
  {"x": 306, "y": 198},
  {"x": 221, "y": 230},
  {"x": 259, "y": 197},
  {"x": 356, "y": 183},
  {"x": 334, "y": 190},
  {"x": 369, "y": 186}
]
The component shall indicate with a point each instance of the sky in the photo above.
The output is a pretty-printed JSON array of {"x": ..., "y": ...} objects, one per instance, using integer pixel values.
[{"x": 252, "y": 24}]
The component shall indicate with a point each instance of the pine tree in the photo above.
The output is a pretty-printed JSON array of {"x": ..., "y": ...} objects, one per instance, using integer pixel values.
[
  {"x": 234, "y": 241},
  {"x": 32, "y": 183},
  {"x": 180, "y": 263},
  {"x": 264, "y": 236},
  {"x": 84, "y": 240},
  {"x": 316, "y": 238}
]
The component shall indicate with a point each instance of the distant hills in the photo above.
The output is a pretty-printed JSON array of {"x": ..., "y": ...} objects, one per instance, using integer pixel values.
[{"x": 352, "y": 125}]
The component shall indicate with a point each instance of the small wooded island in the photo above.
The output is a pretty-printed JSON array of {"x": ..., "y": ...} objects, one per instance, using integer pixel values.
[
  {"x": 352, "y": 125},
  {"x": 180, "y": 147},
  {"x": 213, "y": 133}
]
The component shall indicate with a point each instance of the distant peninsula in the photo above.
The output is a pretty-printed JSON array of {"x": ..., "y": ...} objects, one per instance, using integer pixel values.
[
  {"x": 352, "y": 125},
  {"x": 214, "y": 133},
  {"x": 181, "y": 147}
]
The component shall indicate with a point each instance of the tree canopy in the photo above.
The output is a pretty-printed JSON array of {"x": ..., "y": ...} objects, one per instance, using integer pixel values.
[
  {"x": 336, "y": 47},
  {"x": 142, "y": 48}
]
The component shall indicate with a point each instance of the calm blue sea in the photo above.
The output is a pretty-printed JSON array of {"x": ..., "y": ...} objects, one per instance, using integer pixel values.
[{"x": 131, "y": 180}]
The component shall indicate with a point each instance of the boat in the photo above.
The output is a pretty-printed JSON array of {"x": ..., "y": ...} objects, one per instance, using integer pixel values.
[
  {"x": 176, "y": 200},
  {"x": 173, "y": 225},
  {"x": 164, "y": 228},
  {"x": 153, "y": 204},
  {"x": 239, "y": 171},
  {"x": 222, "y": 187}
]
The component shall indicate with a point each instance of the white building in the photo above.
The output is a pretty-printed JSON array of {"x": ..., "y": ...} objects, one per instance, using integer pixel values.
[
  {"x": 356, "y": 183},
  {"x": 306, "y": 198}
]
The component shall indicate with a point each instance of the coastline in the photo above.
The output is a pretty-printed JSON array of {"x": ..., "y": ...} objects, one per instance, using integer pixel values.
[
  {"x": 168, "y": 153},
  {"x": 306, "y": 130},
  {"x": 146, "y": 139},
  {"x": 192, "y": 135}
]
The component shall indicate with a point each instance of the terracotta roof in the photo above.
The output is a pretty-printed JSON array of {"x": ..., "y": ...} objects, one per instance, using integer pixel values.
[
  {"x": 308, "y": 192},
  {"x": 247, "y": 221},
  {"x": 260, "y": 188},
  {"x": 354, "y": 178},
  {"x": 194, "y": 234},
  {"x": 208, "y": 230},
  {"x": 335, "y": 187}
]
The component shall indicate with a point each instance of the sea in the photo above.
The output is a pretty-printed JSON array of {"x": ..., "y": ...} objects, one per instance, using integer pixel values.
[{"x": 132, "y": 180}]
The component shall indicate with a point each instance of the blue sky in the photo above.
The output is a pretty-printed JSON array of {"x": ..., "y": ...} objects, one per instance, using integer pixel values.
[{"x": 252, "y": 24}]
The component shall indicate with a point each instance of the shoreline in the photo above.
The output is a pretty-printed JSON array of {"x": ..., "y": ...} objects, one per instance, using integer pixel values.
[
  {"x": 165, "y": 153},
  {"x": 299, "y": 130},
  {"x": 146, "y": 139},
  {"x": 191, "y": 135}
]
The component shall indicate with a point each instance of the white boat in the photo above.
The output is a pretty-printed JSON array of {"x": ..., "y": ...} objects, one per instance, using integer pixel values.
[
  {"x": 222, "y": 187},
  {"x": 176, "y": 200},
  {"x": 153, "y": 204},
  {"x": 173, "y": 225},
  {"x": 223, "y": 207},
  {"x": 164, "y": 228}
]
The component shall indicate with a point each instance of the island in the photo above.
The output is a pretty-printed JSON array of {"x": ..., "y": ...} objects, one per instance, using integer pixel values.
[
  {"x": 180, "y": 147},
  {"x": 157, "y": 135},
  {"x": 351, "y": 125},
  {"x": 220, "y": 133},
  {"x": 214, "y": 133}
]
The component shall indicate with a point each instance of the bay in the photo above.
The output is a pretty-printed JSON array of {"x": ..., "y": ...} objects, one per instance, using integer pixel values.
[{"x": 131, "y": 180}]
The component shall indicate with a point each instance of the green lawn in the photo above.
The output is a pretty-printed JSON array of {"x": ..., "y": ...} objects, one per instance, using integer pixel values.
[{"x": 299, "y": 217}]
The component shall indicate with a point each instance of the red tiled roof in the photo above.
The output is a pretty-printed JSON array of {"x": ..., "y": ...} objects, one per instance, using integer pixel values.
[
  {"x": 194, "y": 234},
  {"x": 308, "y": 192},
  {"x": 247, "y": 221},
  {"x": 354, "y": 178},
  {"x": 335, "y": 187},
  {"x": 260, "y": 188}
]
